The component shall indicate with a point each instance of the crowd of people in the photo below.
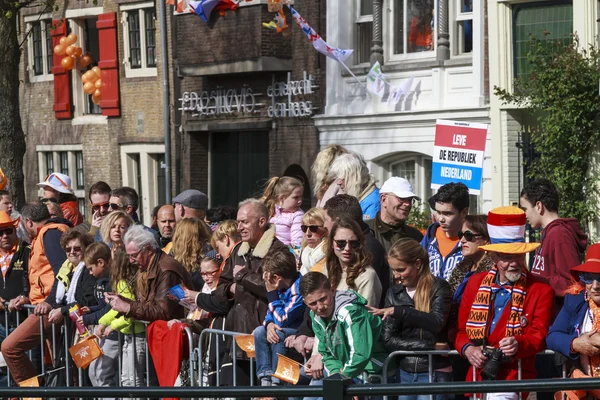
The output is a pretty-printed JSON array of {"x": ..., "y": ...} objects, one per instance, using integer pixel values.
[{"x": 338, "y": 287}]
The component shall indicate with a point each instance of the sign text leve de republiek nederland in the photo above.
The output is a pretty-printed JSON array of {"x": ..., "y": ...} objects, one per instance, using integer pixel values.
[{"x": 458, "y": 153}]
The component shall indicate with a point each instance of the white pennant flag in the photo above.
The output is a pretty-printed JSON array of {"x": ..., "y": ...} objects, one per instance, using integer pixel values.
[
  {"x": 376, "y": 80},
  {"x": 396, "y": 92}
]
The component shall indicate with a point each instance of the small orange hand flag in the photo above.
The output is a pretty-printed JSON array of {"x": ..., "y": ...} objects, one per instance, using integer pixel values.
[
  {"x": 31, "y": 382},
  {"x": 246, "y": 343},
  {"x": 288, "y": 370},
  {"x": 86, "y": 351}
]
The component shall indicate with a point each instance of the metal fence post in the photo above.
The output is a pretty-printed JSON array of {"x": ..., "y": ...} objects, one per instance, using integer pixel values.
[{"x": 334, "y": 387}]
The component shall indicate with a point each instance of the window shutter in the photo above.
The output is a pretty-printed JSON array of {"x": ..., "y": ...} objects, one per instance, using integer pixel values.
[
  {"x": 107, "y": 39},
  {"x": 62, "y": 78}
]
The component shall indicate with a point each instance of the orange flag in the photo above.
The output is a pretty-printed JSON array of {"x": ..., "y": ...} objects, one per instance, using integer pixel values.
[
  {"x": 246, "y": 343},
  {"x": 86, "y": 351},
  {"x": 31, "y": 382},
  {"x": 288, "y": 370}
]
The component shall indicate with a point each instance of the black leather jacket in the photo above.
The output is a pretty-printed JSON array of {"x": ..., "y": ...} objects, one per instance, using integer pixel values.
[{"x": 411, "y": 329}]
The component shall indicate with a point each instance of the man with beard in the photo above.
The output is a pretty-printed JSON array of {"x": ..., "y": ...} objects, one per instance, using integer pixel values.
[
  {"x": 165, "y": 219},
  {"x": 505, "y": 313}
]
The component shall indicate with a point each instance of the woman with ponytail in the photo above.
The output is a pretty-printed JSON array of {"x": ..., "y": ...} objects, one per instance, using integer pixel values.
[
  {"x": 283, "y": 198},
  {"x": 416, "y": 314}
]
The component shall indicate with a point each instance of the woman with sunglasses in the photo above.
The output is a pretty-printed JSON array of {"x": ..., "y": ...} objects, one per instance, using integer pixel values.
[
  {"x": 416, "y": 314},
  {"x": 348, "y": 263},
  {"x": 474, "y": 233},
  {"x": 575, "y": 331},
  {"x": 314, "y": 246}
]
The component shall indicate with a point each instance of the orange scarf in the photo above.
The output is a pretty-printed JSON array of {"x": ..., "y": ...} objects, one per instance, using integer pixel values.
[
  {"x": 594, "y": 313},
  {"x": 476, "y": 326}
]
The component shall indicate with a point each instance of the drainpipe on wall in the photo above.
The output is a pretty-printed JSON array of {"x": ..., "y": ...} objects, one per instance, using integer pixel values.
[{"x": 165, "y": 85}]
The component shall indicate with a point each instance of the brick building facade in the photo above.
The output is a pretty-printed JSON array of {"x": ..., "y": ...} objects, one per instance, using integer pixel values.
[
  {"x": 227, "y": 72},
  {"x": 121, "y": 142}
]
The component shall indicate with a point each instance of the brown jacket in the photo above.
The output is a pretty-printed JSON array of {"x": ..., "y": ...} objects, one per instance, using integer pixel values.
[
  {"x": 164, "y": 273},
  {"x": 249, "y": 305}
]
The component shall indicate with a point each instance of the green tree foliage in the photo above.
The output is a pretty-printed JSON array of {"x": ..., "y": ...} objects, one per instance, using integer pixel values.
[{"x": 561, "y": 93}]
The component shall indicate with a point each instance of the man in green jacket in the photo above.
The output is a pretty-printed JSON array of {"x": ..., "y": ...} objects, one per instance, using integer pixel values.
[{"x": 349, "y": 337}]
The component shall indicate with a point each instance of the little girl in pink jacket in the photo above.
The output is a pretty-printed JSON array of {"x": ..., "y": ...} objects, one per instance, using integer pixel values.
[{"x": 283, "y": 198}]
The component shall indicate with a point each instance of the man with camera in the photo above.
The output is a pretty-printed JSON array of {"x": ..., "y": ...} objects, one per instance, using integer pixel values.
[{"x": 505, "y": 313}]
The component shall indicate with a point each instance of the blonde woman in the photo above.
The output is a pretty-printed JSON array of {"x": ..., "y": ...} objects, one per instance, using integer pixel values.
[
  {"x": 416, "y": 314},
  {"x": 319, "y": 171},
  {"x": 191, "y": 242},
  {"x": 224, "y": 238},
  {"x": 113, "y": 229},
  {"x": 349, "y": 172},
  {"x": 314, "y": 244}
]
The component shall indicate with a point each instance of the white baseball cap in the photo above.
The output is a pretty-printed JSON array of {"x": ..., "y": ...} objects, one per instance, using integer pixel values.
[
  {"x": 399, "y": 187},
  {"x": 59, "y": 182}
]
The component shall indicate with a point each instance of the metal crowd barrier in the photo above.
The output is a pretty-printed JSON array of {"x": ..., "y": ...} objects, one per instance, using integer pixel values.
[
  {"x": 446, "y": 353},
  {"x": 68, "y": 362},
  {"x": 201, "y": 356}
]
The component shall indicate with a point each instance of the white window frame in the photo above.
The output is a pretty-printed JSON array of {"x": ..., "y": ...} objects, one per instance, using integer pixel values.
[
  {"x": 42, "y": 150},
  {"x": 421, "y": 181},
  {"x": 360, "y": 19},
  {"x": 457, "y": 17},
  {"x": 388, "y": 35},
  {"x": 144, "y": 71},
  {"x": 148, "y": 168},
  {"x": 76, "y": 17},
  {"x": 44, "y": 20}
]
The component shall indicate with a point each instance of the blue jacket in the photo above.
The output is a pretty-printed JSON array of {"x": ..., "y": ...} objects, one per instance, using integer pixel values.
[
  {"x": 371, "y": 205},
  {"x": 286, "y": 309},
  {"x": 440, "y": 267},
  {"x": 567, "y": 325}
]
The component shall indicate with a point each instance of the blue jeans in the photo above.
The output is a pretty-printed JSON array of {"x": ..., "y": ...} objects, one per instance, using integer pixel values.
[
  {"x": 423, "y": 377},
  {"x": 266, "y": 353}
]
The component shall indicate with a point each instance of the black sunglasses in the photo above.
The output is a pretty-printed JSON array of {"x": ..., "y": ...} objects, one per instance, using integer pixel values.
[
  {"x": 7, "y": 231},
  {"x": 341, "y": 244},
  {"x": 116, "y": 207},
  {"x": 104, "y": 206},
  {"x": 468, "y": 235},
  {"x": 312, "y": 228}
]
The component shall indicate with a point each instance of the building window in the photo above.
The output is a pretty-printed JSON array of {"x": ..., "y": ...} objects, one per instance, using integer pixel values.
[
  {"x": 40, "y": 48},
  {"x": 364, "y": 31},
  {"x": 64, "y": 162},
  {"x": 416, "y": 169},
  {"x": 413, "y": 26},
  {"x": 69, "y": 160},
  {"x": 79, "y": 169},
  {"x": 546, "y": 21},
  {"x": 142, "y": 169},
  {"x": 85, "y": 29},
  {"x": 49, "y": 163},
  {"x": 139, "y": 36},
  {"x": 463, "y": 29}
]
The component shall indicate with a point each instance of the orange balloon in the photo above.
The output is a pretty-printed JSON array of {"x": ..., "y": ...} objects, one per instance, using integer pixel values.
[
  {"x": 97, "y": 93},
  {"x": 89, "y": 88},
  {"x": 72, "y": 38},
  {"x": 85, "y": 61},
  {"x": 84, "y": 78},
  {"x": 96, "y": 100},
  {"x": 67, "y": 63},
  {"x": 78, "y": 51},
  {"x": 59, "y": 50},
  {"x": 97, "y": 71},
  {"x": 98, "y": 84},
  {"x": 70, "y": 51},
  {"x": 92, "y": 77},
  {"x": 63, "y": 41}
]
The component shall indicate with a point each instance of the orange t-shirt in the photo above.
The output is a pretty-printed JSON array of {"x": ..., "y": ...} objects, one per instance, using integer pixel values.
[{"x": 445, "y": 244}]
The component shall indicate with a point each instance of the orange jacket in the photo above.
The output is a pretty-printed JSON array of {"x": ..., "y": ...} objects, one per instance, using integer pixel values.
[{"x": 41, "y": 275}]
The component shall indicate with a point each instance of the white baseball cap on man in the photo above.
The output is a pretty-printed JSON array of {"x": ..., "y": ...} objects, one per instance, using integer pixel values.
[{"x": 399, "y": 187}]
